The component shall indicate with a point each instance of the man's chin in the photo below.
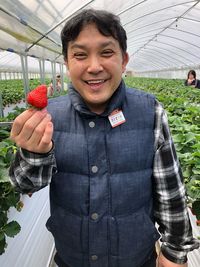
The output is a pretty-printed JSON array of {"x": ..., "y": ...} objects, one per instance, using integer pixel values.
[{"x": 97, "y": 106}]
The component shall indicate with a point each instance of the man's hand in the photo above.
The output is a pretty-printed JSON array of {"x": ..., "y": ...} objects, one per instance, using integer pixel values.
[
  {"x": 33, "y": 130},
  {"x": 164, "y": 262}
]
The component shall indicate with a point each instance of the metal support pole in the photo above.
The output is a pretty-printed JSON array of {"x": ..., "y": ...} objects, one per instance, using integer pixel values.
[
  {"x": 42, "y": 70},
  {"x": 43, "y": 65},
  {"x": 61, "y": 76},
  {"x": 25, "y": 74},
  {"x": 40, "y": 66},
  {"x": 1, "y": 105},
  {"x": 53, "y": 71}
]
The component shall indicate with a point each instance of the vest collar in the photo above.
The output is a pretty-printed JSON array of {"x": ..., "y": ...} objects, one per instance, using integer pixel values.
[{"x": 115, "y": 102}]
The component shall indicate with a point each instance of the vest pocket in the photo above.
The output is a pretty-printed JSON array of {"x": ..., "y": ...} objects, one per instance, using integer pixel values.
[
  {"x": 67, "y": 230},
  {"x": 132, "y": 234}
]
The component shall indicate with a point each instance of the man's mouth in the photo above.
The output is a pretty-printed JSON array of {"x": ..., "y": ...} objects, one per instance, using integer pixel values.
[{"x": 95, "y": 82}]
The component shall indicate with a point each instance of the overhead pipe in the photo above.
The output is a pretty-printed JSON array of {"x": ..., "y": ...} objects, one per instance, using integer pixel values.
[{"x": 55, "y": 26}]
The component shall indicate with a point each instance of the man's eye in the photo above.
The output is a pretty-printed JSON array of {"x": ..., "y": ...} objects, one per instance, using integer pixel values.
[
  {"x": 107, "y": 53},
  {"x": 80, "y": 55}
]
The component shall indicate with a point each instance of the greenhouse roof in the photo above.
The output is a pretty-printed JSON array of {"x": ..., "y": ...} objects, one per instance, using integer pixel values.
[{"x": 161, "y": 34}]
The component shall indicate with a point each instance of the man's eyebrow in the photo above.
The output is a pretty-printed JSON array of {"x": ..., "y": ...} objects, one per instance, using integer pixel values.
[
  {"x": 78, "y": 46},
  {"x": 82, "y": 46}
]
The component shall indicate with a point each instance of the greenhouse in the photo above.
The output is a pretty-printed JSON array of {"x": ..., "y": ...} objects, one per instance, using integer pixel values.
[{"x": 163, "y": 48}]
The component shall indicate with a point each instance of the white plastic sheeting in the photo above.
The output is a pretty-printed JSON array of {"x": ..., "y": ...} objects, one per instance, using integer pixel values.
[
  {"x": 33, "y": 246},
  {"x": 162, "y": 35},
  {"x": 194, "y": 256}
]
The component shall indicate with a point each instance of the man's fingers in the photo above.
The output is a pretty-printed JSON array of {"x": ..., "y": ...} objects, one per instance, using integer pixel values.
[
  {"x": 30, "y": 125},
  {"x": 39, "y": 130},
  {"x": 45, "y": 144},
  {"x": 33, "y": 130},
  {"x": 19, "y": 122}
]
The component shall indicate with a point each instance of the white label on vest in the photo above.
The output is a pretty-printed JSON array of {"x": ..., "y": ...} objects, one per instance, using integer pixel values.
[{"x": 116, "y": 118}]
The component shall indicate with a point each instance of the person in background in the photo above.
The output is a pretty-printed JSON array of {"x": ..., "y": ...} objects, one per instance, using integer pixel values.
[
  {"x": 58, "y": 83},
  {"x": 51, "y": 90},
  {"x": 108, "y": 155},
  {"x": 191, "y": 79}
]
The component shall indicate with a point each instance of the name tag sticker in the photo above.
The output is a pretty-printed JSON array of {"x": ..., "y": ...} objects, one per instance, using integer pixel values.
[{"x": 116, "y": 118}]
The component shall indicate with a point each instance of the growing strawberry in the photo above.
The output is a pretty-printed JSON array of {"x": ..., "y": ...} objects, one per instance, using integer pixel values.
[
  {"x": 198, "y": 222},
  {"x": 37, "y": 98}
]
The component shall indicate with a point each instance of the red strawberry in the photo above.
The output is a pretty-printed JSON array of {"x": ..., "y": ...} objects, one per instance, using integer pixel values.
[
  {"x": 38, "y": 97},
  {"x": 198, "y": 222}
]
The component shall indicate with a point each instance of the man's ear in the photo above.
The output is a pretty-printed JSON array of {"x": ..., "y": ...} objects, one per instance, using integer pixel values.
[{"x": 125, "y": 61}]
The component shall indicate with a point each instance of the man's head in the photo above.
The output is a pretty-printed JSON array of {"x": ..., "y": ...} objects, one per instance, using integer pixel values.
[
  {"x": 107, "y": 23},
  {"x": 94, "y": 48}
]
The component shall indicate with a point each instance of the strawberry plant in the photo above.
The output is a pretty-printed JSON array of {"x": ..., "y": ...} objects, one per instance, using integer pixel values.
[
  {"x": 13, "y": 90},
  {"x": 183, "y": 109},
  {"x": 8, "y": 196}
]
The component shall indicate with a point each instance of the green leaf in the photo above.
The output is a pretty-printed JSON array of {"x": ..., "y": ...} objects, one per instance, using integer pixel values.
[
  {"x": 178, "y": 138},
  {"x": 196, "y": 154},
  {"x": 2, "y": 245},
  {"x": 2, "y": 235},
  {"x": 4, "y": 177},
  {"x": 196, "y": 171},
  {"x": 189, "y": 137},
  {"x": 12, "y": 228},
  {"x": 193, "y": 189},
  {"x": 3, "y": 219},
  {"x": 12, "y": 198},
  {"x": 196, "y": 209},
  {"x": 186, "y": 173}
]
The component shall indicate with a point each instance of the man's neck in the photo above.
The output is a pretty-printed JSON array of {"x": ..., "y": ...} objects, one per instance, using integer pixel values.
[{"x": 98, "y": 109}]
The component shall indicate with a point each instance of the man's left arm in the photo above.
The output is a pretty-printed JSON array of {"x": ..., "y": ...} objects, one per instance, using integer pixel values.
[{"x": 170, "y": 208}]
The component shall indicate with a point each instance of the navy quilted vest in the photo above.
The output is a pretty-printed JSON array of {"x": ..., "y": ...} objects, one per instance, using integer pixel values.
[{"x": 101, "y": 196}]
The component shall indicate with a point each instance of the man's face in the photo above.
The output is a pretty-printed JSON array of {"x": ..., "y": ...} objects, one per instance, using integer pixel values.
[{"x": 95, "y": 63}]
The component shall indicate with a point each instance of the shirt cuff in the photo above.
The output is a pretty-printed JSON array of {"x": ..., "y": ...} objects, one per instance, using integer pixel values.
[
  {"x": 178, "y": 257},
  {"x": 37, "y": 159}
]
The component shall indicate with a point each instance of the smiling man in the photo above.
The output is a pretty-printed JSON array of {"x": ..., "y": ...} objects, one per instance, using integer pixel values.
[
  {"x": 96, "y": 63},
  {"x": 112, "y": 167}
]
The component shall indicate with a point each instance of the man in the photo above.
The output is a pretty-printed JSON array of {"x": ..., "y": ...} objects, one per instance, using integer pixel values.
[{"x": 116, "y": 170}]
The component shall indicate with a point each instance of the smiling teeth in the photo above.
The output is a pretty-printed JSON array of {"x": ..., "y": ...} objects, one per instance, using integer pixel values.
[{"x": 96, "y": 81}]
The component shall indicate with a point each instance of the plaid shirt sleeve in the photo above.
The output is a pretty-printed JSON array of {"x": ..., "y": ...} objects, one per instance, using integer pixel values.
[
  {"x": 170, "y": 209},
  {"x": 29, "y": 172}
]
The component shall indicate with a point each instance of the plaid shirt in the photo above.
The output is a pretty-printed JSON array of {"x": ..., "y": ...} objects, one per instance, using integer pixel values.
[{"x": 30, "y": 172}]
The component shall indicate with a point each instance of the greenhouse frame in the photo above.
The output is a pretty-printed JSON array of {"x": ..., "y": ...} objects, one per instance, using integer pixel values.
[{"x": 163, "y": 42}]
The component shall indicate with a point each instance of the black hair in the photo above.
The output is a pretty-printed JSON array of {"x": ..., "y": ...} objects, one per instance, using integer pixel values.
[
  {"x": 193, "y": 72},
  {"x": 107, "y": 23}
]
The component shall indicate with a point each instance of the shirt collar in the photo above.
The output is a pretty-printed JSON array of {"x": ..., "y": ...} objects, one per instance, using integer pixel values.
[{"x": 115, "y": 102}]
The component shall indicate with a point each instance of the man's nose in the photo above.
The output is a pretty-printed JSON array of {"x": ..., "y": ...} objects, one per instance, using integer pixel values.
[{"x": 95, "y": 65}]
